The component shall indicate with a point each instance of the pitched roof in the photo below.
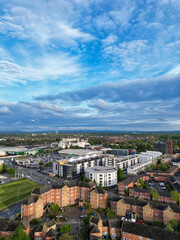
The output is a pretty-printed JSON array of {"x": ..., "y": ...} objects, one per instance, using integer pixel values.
[
  {"x": 143, "y": 190},
  {"x": 99, "y": 190},
  {"x": 87, "y": 184},
  {"x": 51, "y": 233},
  {"x": 94, "y": 220},
  {"x": 149, "y": 231},
  {"x": 31, "y": 199},
  {"x": 41, "y": 190},
  {"x": 7, "y": 225}
]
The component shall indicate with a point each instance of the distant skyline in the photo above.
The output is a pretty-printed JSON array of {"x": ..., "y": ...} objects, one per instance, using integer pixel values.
[{"x": 89, "y": 65}]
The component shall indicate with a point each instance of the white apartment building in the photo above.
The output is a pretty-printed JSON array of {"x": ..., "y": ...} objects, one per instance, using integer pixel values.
[
  {"x": 107, "y": 176},
  {"x": 145, "y": 159},
  {"x": 138, "y": 167}
]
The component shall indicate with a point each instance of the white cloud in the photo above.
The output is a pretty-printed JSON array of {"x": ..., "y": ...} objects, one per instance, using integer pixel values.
[
  {"x": 111, "y": 39},
  {"x": 4, "y": 110}
]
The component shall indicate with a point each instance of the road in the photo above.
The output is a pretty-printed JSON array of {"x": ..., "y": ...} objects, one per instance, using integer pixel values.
[{"x": 34, "y": 175}]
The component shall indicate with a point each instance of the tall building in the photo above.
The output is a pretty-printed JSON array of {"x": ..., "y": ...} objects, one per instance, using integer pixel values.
[
  {"x": 169, "y": 145},
  {"x": 165, "y": 148}
]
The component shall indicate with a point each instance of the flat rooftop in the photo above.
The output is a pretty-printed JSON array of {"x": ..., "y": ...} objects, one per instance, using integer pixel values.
[
  {"x": 79, "y": 152},
  {"x": 101, "y": 169}
]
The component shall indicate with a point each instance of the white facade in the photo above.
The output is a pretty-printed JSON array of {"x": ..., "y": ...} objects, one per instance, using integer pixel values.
[
  {"x": 149, "y": 155},
  {"x": 138, "y": 167},
  {"x": 107, "y": 176},
  {"x": 71, "y": 142}
]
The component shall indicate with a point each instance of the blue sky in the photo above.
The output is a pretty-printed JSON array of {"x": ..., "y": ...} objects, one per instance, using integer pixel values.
[{"x": 89, "y": 65}]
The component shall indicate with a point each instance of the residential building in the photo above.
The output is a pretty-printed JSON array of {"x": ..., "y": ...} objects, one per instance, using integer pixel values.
[
  {"x": 71, "y": 167},
  {"x": 146, "y": 210},
  {"x": 63, "y": 195},
  {"x": 140, "y": 193},
  {"x": 107, "y": 176},
  {"x": 32, "y": 208},
  {"x": 165, "y": 148},
  {"x": 126, "y": 230},
  {"x": 46, "y": 231},
  {"x": 136, "y": 231},
  {"x": 7, "y": 227},
  {"x": 98, "y": 198}
]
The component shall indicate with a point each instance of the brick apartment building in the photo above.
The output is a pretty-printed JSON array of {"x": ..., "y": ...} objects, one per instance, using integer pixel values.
[
  {"x": 46, "y": 231},
  {"x": 63, "y": 195},
  {"x": 7, "y": 227},
  {"x": 98, "y": 198},
  {"x": 147, "y": 210},
  {"x": 99, "y": 228},
  {"x": 135, "y": 231},
  {"x": 170, "y": 172},
  {"x": 126, "y": 230},
  {"x": 140, "y": 193},
  {"x": 130, "y": 182}
]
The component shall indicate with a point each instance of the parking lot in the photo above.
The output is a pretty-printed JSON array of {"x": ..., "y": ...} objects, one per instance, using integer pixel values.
[{"x": 159, "y": 187}]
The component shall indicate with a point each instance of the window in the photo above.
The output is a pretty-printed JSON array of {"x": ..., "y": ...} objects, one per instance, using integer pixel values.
[{"x": 140, "y": 237}]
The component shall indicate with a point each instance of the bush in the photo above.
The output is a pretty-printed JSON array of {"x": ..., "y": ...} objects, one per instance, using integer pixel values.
[
  {"x": 111, "y": 214},
  {"x": 100, "y": 210},
  {"x": 163, "y": 167},
  {"x": 88, "y": 206},
  {"x": 65, "y": 228},
  {"x": 86, "y": 220}
]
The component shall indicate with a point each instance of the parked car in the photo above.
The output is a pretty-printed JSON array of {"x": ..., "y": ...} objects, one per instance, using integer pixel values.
[{"x": 139, "y": 221}]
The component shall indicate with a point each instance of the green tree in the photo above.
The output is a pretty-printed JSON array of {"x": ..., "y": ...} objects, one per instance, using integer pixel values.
[
  {"x": 4, "y": 168},
  {"x": 163, "y": 167},
  {"x": 88, "y": 206},
  {"x": 95, "y": 182},
  {"x": 11, "y": 171},
  {"x": 120, "y": 174},
  {"x": 100, "y": 185},
  {"x": 169, "y": 228},
  {"x": 126, "y": 192},
  {"x": 141, "y": 182},
  {"x": 154, "y": 193},
  {"x": 173, "y": 223},
  {"x": 54, "y": 207},
  {"x": 65, "y": 236},
  {"x": 18, "y": 216},
  {"x": 175, "y": 196},
  {"x": 153, "y": 166},
  {"x": 19, "y": 234},
  {"x": 65, "y": 228},
  {"x": 41, "y": 163},
  {"x": 107, "y": 210}
]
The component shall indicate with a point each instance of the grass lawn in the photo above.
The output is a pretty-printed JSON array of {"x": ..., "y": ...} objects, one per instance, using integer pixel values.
[{"x": 15, "y": 192}]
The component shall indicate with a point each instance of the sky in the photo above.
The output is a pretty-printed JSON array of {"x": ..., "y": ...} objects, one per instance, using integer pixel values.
[{"x": 89, "y": 65}]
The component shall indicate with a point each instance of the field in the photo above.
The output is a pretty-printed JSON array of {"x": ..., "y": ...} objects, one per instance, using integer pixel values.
[{"x": 15, "y": 192}]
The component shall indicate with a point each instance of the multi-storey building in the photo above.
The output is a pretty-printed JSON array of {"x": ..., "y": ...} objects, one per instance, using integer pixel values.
[
  {"x": 140, "y": 193},
  {"x": 107, "y": 176},
  {"x": 136, "y": 231},
  {"x": 126, "y": 230},
  {"x": 164, "y": 147},
  {"x": 130, "y": 182},
  {"x": 170, "y": 172},
  {"x": 72, "y": 167},
  {"x": 63, "y": 195},
  {"x": 32, "y": 208},
  {"x": 147, "y": 210},
  {"x": 98, "y": 198},
  {"x": 46, "y": 231}
]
